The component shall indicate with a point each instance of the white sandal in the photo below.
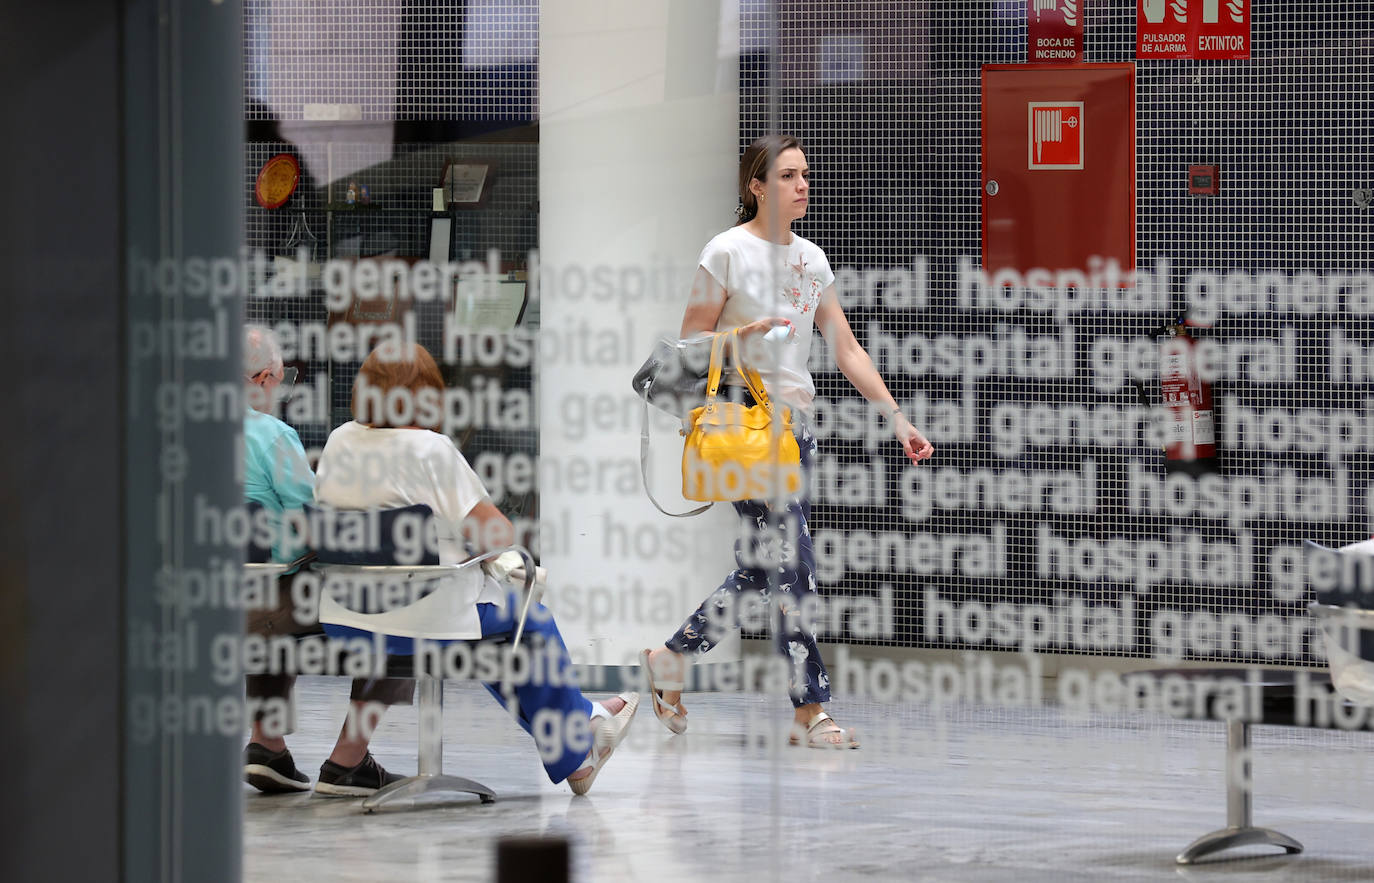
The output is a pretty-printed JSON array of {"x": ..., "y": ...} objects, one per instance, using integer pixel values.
[
  {"x": 816, "y": 739},
  {"x": 674, "y": 717},
  {"x": 607, "y": 733}
]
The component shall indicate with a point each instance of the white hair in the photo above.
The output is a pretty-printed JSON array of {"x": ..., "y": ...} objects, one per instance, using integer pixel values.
[{"x": 261, "y": 351}]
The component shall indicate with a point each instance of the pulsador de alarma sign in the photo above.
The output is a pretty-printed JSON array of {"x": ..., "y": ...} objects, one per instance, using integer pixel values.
[{"x": 1203, "y": 29}]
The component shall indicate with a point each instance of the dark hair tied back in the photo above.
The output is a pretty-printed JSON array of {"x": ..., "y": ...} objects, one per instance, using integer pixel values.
[{"x": 756, "y": 162}]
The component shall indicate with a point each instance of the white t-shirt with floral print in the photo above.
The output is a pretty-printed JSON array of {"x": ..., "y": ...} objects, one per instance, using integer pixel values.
[{"x": 763, "y": 279}]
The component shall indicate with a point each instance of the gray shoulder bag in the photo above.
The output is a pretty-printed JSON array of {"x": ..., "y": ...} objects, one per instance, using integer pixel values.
[{"x": 672, "y": 379}]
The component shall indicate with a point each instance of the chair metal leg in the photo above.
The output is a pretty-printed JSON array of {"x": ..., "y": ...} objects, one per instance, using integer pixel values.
[
  {"x": 529, "y": 590},
  {"x": 1238, "y": 831},
  {"x": 430, "y": 776}
]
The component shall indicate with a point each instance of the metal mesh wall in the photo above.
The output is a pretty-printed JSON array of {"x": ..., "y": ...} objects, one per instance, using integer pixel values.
[
  {"x": 391, "y": 59},
  {"x": 395, "y": 222},
  {"x": 347, "y": 88},
  {"x": 886, "y": 96}
]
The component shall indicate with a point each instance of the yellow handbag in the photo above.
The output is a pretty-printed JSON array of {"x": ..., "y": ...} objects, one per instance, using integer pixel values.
[{"x": 735, "y": 452}]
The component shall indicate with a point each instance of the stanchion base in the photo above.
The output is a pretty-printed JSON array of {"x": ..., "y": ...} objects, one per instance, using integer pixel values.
[
  {"x": 427, "y": 784},
  {"x": 1230, "y": 838}
]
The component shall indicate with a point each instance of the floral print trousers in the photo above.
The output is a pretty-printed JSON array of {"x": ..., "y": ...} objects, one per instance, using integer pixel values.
[{"x": 775, "y": 572}]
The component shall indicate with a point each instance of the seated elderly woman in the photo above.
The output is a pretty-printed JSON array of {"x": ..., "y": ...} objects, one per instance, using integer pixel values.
[
  {"x": 370, "y": 464},
  {"x": 277, "y": 477}
]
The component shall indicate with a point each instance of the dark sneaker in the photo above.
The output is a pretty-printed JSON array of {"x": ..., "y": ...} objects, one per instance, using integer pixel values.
[
  {"x": 364, "y": 779},
  {"x": 272, "y": 773}
]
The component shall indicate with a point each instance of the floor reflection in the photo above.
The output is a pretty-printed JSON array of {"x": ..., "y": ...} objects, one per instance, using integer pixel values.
[{"x": 977, "y": 793}]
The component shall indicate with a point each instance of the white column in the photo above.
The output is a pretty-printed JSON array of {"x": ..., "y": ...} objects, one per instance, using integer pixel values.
[{"x": 637, "y": 164}]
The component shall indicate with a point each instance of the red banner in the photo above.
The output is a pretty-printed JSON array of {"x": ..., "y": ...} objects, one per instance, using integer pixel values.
[
  {"x": 1205, "y": 29},
  {"x": 1054, "y": 31}
]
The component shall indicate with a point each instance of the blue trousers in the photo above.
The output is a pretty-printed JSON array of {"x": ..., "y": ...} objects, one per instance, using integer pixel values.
[
  {"x": 543, "y": 697},
  {"x": 775, "y": 561}
]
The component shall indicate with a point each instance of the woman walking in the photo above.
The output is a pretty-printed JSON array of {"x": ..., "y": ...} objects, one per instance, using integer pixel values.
[{"x": 756, "y": 276}]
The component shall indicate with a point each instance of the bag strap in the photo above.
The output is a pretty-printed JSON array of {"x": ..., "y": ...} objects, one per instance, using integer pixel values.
[
  {"x": 713, "y": 376},
  {"x": 751, "y": 377},
  {"x": 644, "y": 462},
  {"x": 754, "y": 380}
]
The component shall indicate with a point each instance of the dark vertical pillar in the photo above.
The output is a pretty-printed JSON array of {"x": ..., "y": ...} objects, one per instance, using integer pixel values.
[{"x": 60, "y": 461}]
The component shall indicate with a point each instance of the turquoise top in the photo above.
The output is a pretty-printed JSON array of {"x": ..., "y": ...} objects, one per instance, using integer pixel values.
[{"x": 276, "y": 474}]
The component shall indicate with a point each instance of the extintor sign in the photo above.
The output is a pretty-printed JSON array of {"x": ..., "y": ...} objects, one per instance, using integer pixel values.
[{"x": 1054, "y": 31}]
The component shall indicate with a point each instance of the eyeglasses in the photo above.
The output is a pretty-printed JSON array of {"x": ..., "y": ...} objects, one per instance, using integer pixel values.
[
  {"x": 288, "y": 375},
  {"x": 288, "y": 380}
]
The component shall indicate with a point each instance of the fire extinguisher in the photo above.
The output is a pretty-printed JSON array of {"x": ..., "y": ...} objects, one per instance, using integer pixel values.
[{"x": 1190, "y": 435}]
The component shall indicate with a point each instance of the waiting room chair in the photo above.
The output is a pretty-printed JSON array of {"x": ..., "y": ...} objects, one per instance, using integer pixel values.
[
  {"x": 366, "y": 574},
  {"x": 1345, "y": 615},
  {"x": 258, "y": 558}
]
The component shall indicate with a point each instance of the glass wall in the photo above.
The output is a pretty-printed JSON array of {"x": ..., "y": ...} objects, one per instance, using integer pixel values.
[{"x": 1062, "y": 511}]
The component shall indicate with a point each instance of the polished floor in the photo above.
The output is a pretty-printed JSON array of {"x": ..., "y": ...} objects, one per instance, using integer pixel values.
[{"x": 974, "y": 794}]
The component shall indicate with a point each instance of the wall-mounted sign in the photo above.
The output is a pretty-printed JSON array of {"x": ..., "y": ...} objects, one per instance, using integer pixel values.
[
  {"x": 1054, "y": 137},
  {"x": 1204, "y": 29},
  {"x": 465, "y": 184},
  {"x": 1054, "y": 31}
]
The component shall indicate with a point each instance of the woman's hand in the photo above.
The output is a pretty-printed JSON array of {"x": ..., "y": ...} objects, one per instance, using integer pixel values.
[
  {"x": 763, "y": 326},
  {"x": 914, "y": 444}
]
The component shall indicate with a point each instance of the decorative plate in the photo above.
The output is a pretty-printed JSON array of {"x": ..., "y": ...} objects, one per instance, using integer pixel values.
[{"x": 277, "y": 180}]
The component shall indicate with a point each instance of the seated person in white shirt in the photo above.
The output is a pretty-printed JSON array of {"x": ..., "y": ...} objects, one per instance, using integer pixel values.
[{"x": 369, "y": 464}]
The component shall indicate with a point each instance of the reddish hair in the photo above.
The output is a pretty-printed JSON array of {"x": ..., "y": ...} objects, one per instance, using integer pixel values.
[{"x": 383, "y": 373}]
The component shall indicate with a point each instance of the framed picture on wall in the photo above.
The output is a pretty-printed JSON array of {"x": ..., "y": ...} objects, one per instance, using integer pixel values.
[
  {"x": 385, "y": 306},
  {"x": 490, "y": 303},
  {"x": 465, "y": 183}
]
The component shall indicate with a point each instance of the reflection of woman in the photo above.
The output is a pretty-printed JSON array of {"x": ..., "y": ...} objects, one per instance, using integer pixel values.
[
  {"x": 370, "y": 464},
  {"x": 755, "y": 276}
]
